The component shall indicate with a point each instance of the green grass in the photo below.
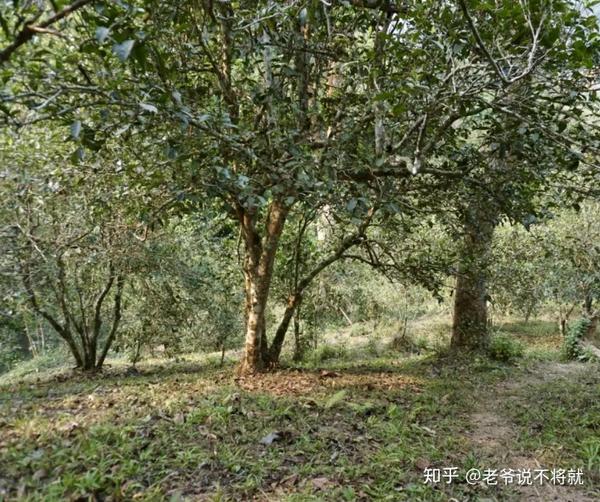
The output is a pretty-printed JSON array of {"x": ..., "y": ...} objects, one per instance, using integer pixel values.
[
  {"x": 540, "y": 338},
  {"x": 348, "y": 429},
  {"x": 148, "y": 438},
  {"x": 560, "y": 420}
]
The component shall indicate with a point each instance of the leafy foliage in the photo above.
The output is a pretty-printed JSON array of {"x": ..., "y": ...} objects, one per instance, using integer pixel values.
[
  {"x": 505, "y": 348},
  {"x": 572, "y": 349}
]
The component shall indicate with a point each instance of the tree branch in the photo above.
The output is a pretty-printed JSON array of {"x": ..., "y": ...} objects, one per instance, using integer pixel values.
[
  {"x": 531, "y": 61},
  {"x": 29, "y": 30},
  {"x": 296, "y": 297},
  {"x": 116, "y": 320},
  {"x": 98, "y": 305}
]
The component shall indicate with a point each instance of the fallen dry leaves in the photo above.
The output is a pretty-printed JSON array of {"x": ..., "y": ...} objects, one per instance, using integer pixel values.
[{"x": 297, "y": 382}]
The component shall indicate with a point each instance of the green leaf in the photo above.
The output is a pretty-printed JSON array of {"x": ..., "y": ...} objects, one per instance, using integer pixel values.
[{"x": 77, "y": 156}]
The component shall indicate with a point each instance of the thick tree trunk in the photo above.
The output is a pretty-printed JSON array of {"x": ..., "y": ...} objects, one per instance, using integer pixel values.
[
  {"x": 470, "y": 319},
  {"x": 252, "y": 360},
  {"x": 89, "y": 364},
  {"x": 469, "y": 327},
  {"x": 258, "y": 273}
]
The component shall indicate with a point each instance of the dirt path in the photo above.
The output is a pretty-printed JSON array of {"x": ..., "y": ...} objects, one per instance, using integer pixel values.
[{"x": 494, "y": 435}]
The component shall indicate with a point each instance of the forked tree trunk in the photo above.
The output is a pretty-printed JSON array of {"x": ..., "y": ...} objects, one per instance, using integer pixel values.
[
  {"x": 81, "y": 338},
  {"x": 470, "y": 319},
  {"x": 258, "y": 273},
  {"x": 295, "y": 298},
  {"x": 563, "y": 319}
]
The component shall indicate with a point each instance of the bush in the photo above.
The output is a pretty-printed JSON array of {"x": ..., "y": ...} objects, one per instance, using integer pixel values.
[
  {"x": 358, "y": 330},
  {"x": 374, "y": 347},
  {"x": 504, "y": 348},
  {"x": 572, "y": 348},
  {"x": 409, "y": 344},
  {"x": 327, "y": 352}
]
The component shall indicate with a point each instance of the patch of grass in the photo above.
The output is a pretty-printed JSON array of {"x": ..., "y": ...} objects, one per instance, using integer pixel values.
[
  {"x": 534, "y": 328},
  {"x": 49, "y": 363},
  {"x": 559, "y": 422},
  {"x": 359, "y": 428},
  {"x": 590, "y": 452},
  {"x": 199, "y": 434},
  {"x": 410, "y": 344},
  {"x": 540, "y": 338}
]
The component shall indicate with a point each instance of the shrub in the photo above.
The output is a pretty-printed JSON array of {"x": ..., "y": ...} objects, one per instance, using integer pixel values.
[
  {"x": 358, "y": 330},
  {"x": 504, "y": 348},
  {"x": 409, "y": 344},
  {"x": 374, "y": 347},
  {"x": 591, "y": 453},
  {"x": 572, "y": 348},
  {"x": 327, "y": 352}
]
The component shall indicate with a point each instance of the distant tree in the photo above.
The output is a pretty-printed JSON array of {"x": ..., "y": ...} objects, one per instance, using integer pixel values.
[
  {"x": 68, "y": 241},
  {"x": 187, "y": 297},
  {"x": 556, "y": 264},
  {"x": 529, "y": 138}
]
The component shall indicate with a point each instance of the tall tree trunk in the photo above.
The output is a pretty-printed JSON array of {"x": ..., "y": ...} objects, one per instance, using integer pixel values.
[
  {"x": 470, "y": 319},
  {"x": 256, "y": 303},
  {"x": 26, "y": 342},
  {"x": 258, "y": 273},
  {"x": 116, "y": 320},
  {"x": 588, "y": 304},
  {"x": 89, "y": 363},
  {"x": 592, "y": 331},
  {"x": 592, "y": 334}
]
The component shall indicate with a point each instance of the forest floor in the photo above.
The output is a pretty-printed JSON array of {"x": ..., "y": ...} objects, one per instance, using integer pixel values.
[{"x": 361, "y": 426}]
